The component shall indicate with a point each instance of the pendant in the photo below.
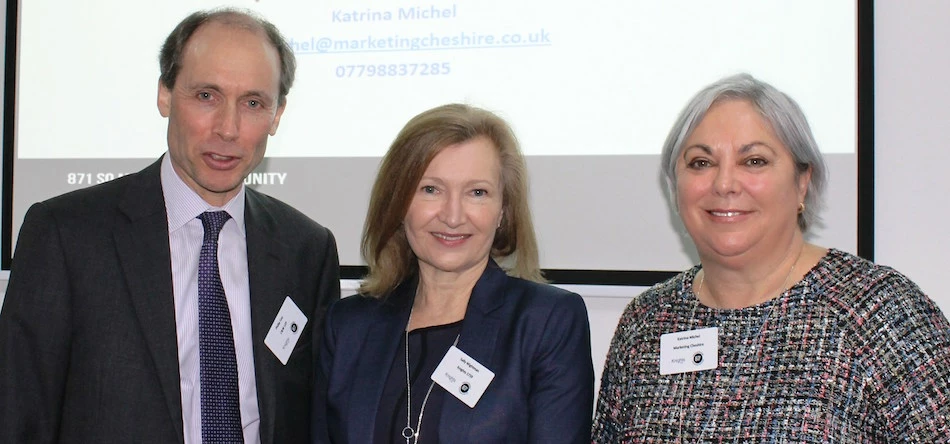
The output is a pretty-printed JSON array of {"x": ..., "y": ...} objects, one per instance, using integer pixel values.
[{"x": 408, "y": 433}]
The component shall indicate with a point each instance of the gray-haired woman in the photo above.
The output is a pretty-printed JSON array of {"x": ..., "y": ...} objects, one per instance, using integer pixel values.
[{"x": 770, "y": 338}]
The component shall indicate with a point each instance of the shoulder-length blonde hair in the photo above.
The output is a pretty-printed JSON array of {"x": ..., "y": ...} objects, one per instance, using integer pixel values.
[{"x": 384, "y": 245}]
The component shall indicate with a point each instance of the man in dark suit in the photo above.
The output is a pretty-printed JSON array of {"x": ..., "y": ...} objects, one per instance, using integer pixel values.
[{"x": 105, "y": 333}]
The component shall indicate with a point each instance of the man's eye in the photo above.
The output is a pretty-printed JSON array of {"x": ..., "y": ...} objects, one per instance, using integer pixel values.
[
  {"x": 204, "y": 95},
  {"x": 253, "y": 103}
]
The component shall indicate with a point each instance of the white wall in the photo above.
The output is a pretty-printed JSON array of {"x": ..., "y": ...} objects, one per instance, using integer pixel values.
[{"x": 912, "y": 156}]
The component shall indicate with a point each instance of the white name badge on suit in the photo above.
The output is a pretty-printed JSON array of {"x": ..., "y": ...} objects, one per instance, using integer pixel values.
[
  {"x": 284, "y": 334},
  {"x": 462, "y": 376}
]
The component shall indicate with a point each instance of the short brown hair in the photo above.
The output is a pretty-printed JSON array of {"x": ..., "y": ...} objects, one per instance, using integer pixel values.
[
  {"x": 385, "y": 247},
  {"x": 170, "y": 57}
]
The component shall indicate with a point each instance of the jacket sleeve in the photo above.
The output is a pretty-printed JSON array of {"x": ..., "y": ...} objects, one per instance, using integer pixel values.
[
  {"x": 904, "y": 343},
  {"x": 35, "y": 333},
  {"x": 562, "y": 377},
  {"x": 319, "y": 422},
  {"x": 328, "y": 289}
]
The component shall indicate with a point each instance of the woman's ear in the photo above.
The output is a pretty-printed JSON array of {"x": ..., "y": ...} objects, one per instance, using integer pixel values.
[{"x": 804, "y": 178}]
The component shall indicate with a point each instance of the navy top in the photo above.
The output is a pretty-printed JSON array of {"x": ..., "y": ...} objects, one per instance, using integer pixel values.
[{"x": 427, "y": 346}]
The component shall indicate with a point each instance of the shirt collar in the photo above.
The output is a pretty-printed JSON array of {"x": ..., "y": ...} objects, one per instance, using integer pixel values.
[{"x": 182, "y": 204}]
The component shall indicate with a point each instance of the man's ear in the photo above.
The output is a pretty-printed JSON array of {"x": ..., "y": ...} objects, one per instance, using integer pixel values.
[{"x": 164, "y": 99}]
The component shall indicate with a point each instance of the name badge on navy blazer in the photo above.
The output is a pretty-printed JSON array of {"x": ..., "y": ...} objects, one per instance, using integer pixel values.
[
  {"x": 462, "y": 376},
  {"x": 284, "y": 334}
]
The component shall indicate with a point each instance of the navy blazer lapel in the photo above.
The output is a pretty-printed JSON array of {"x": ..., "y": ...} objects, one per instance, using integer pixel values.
[
  {"x": 376, "y": 358},
  {"x": 265, "y": 255},
  {"x": 478, "y": 338},
  {"x": 141, "y": 239}
]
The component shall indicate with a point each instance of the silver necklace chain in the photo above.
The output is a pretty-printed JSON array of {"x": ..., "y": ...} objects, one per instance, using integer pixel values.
[{"x": 412, "y": 434}]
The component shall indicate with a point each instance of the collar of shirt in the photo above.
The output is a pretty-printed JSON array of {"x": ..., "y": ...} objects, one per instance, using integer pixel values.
[{"x": 182, "y": 204}]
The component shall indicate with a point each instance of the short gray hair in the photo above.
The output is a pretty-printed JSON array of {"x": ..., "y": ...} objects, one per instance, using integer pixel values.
[{"x": 778, "y": 109}]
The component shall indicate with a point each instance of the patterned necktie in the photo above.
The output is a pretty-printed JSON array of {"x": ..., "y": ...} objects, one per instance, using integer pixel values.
[{"x": 220, "y": 405}]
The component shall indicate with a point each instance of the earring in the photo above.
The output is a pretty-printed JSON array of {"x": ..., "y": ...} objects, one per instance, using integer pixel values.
[{"x": 801, "y": 207}]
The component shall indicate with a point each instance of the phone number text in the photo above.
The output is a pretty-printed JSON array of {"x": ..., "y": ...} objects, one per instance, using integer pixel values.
[{"x": 393, "y": 70}]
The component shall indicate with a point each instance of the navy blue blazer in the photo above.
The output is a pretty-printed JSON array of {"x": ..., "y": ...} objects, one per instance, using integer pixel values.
[{"x": 534, "y": 337}]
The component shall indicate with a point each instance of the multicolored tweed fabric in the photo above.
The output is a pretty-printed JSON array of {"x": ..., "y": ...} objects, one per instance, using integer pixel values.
[{"x": 852, "y": 353}]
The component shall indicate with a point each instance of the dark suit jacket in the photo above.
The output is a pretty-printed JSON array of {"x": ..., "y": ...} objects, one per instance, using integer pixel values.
[
  {"x": 536, "y": 338},
  {"x": 88, "y": 346}
]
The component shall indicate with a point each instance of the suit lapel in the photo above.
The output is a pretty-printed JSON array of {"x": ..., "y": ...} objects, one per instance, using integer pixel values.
[
  {"x": 265, "y": 255},
  {"x": 141, "y": 239},
  {"x": 376, "y": 359},
  {"x": 478, "y": 338}
]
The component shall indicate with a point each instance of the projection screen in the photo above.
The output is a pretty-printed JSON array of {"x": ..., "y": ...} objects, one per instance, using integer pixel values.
[{"x": 590, "y": 88}]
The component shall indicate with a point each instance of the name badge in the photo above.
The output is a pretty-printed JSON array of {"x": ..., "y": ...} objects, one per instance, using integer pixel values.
[
  {"x": 284, "y": 334},
  {"x": 462, "y": 376},
  {"x": 689, "y": 351}
]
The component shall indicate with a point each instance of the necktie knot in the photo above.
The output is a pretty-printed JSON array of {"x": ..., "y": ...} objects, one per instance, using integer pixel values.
[{"x": 213, "y": 221}]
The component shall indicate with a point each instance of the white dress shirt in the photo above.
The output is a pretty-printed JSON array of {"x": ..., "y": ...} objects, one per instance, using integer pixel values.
[{"x": 185, "y": 235}]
